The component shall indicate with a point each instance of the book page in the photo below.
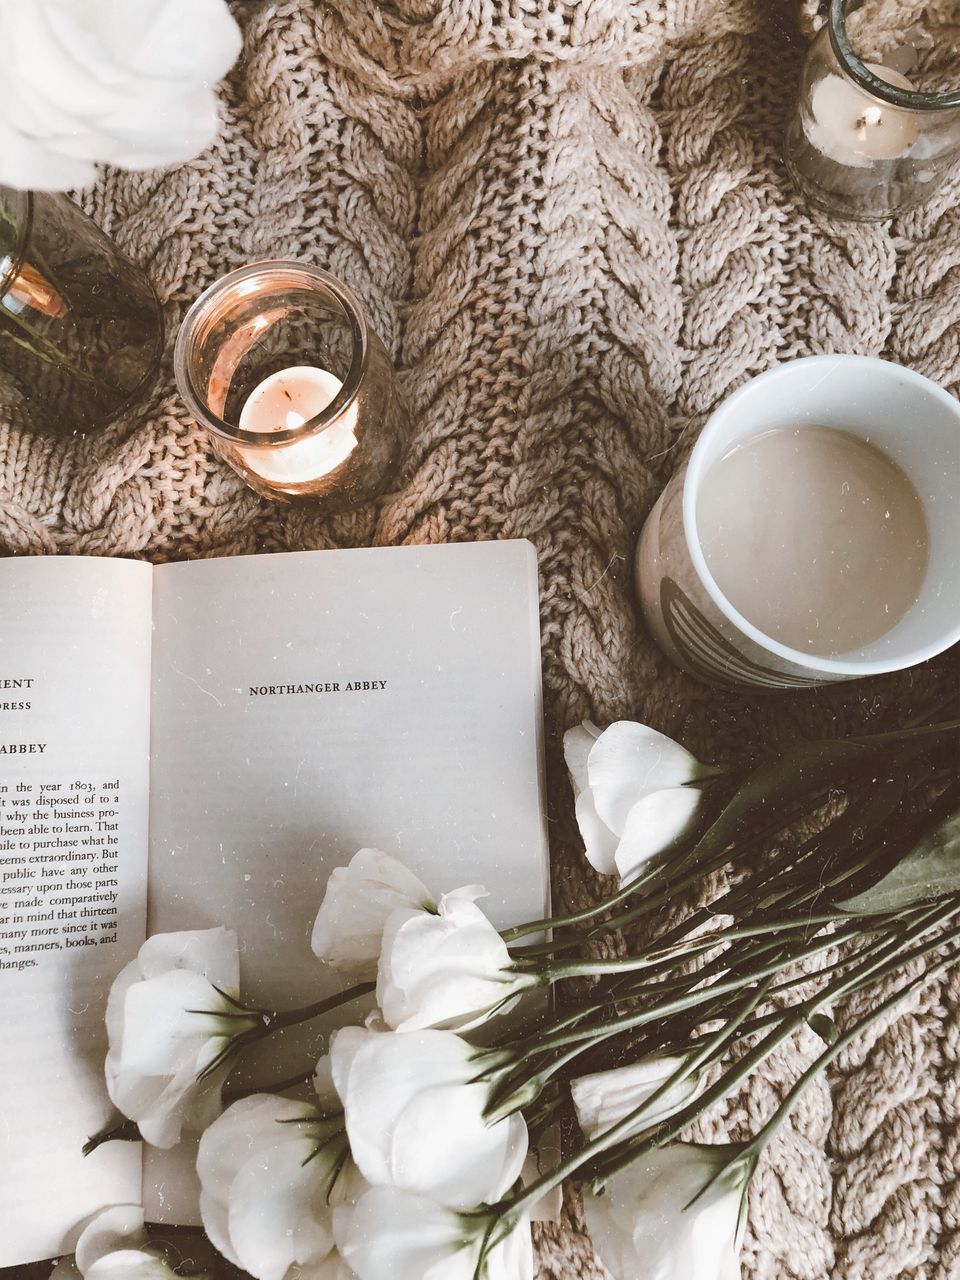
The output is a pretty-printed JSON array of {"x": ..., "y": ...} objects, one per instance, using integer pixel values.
[
  {"x": 74, "y": 768},
  {"x": 308, "y": 704}
]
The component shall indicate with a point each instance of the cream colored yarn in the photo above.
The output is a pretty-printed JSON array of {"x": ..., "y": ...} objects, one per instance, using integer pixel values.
[{"x": 571, "y": 225}]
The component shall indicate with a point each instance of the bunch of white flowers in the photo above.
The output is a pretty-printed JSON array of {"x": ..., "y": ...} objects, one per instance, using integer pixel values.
[{"x": 408, "y": 1160}]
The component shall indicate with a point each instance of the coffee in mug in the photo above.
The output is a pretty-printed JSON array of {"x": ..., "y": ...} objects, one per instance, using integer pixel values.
[
  {"x": 812, "y": 535},
  {"x": 817, "y": 537}
]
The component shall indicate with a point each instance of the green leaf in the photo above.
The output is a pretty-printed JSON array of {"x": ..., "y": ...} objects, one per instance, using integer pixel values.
[
  {"x": 825, "y": 1027},
  {"x": 930, "y": 870}
]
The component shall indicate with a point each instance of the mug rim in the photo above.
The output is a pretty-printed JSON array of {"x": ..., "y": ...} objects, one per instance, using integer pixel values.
[{"x": 694, "y": 476}]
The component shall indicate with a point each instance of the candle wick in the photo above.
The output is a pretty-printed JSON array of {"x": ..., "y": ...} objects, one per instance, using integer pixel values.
[{"x": 871, "y": 117}]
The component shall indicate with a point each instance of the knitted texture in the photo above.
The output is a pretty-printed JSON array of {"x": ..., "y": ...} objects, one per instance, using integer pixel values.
[{"x": 571, "y": 226}]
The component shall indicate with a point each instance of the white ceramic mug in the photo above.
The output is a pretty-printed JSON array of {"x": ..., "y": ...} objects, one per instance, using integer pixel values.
[{"x": 910, "y": 418}]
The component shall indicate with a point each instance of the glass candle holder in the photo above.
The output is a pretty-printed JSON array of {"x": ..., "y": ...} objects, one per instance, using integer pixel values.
[
  {"x": 81, "y": 332},
  {"x": 278, "y": 363},
  {"x": 878, "y": 122}
]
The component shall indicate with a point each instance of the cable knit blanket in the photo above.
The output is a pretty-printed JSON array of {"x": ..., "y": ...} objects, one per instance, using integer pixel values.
[{"x": 571, "y": 225}]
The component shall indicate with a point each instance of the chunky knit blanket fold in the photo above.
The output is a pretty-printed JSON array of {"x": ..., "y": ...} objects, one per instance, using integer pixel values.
[{"x": 570, "y": 223}]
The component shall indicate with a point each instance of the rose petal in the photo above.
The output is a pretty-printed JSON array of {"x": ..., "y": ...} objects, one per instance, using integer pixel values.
[
  {"x": 278, "y": 1211},
  {"x": 379, "y": 1073},
  {"x": 357, "y": 902},
  {"x": 214, "y": 953},
  {"x": 442, "y": 1148},
  {"x": 406, "y": 1237},
  {"x": 655, "y": 823},
  {"x": 660, "y": 1217},
  {"x": 577, "y": 745},
  {"x": 604, "y": 1098},
  {"x": 599, "y": 842},
  {"x": 629, "y": 761},
  {"x": 447, "y": 970},
  {"x": 119, "y": 1227}
]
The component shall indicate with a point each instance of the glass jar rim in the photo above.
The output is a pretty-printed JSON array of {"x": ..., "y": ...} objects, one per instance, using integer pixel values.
[
  {"x": 21, "y": 241},
  {"x": 913, "y": 99},
  {"x": 293, "y": 271}
]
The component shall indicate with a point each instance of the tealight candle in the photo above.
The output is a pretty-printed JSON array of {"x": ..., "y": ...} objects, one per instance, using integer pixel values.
[
  {"x": 865, "y": 141},
  {"x": 856, "y": 129},
  {"x": 277, "y": 361},
  {"x": 285, "y": 401}
]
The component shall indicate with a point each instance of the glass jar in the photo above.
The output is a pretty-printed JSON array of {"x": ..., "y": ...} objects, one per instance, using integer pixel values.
[
  {"x": 278, "y": 363},
  {"x": 878, "y": 122},
  {"x": 81, "y": 333}
]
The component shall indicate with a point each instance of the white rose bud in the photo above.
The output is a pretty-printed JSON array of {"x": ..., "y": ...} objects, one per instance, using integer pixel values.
[
  {"x": 633, "y": 797},
  {"x": 271, "y": 1171},
  {"x": 450, "y": 970},
  {"x": 415, "y": 1116},
  {"x": 115, "y": 1246},
  {"x": 357, "y": 902},
  {"x": 676, "y": 1213},
  {"x": 173, "y": 1024},
  {"x": 391, "y": 1233},
  {"x": 129, "y": 84},
  {"x": 605, "y": 1098}
]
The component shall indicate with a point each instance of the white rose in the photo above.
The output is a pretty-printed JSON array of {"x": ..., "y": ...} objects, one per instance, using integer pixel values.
[
  {"x": 173, "y": 1024},
  {"x": 605, "y": 1098},
  {"x": 124, "y": 82},
  {"x": 415, "y": 1116},
  {"x": 115, "y": 1246},
  {"x": 632, "y": 794},
  {"x": 449, "y": 969},
  {"x": 271, "y": 1170},
  {"x": 393, "y": 1234},
  {"x": 677, "y": 1213},
  {"x": 356, "y": 904}
]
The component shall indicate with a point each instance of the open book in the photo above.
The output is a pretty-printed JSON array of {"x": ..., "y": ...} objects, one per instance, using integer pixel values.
[{"x": 197, "y": 744}]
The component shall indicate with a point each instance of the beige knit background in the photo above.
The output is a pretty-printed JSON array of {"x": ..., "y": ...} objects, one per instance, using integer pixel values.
[{"x": 571, "y": 225}]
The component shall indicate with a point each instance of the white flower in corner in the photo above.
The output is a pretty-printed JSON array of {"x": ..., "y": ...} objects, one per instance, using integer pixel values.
[
  {"x": 677, "y": 1213},
  {"x": 605, "y": 1098},
  {"x": 415, "y": 1116},
  {"x": 449, "y": 969},
  {"x": 393, "y": 1235},
  {"x": 173, "y": 1022},
  {"x": 356, "y": 904},
  {"x": 97, "y": 81},
  {"x": 632, "y": 794},
  {"x": 115, "y": 1246},
  {"x": 271, "y": 1170}
]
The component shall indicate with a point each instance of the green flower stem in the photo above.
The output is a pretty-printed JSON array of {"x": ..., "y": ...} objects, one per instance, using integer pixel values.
[
  {"x": 943, "y": 728},
  {"x": 729, "y": 901},
  {"x": 129, "y": 1131},
  {"x": 581, "y": 1039},
  {"x": 771, "y": 950},
  {"x": 45, "y": 351},
  {"x": 787, "y": 1027},
  {"x": 750, "y": 962},
  {"x": 867, "y": 817},
  {"x": 780, "y": 1116},
  {"x": 618, "y": 922},
  {"x": 782, "y": 988},
  {"x": 292, "y": 1017},
  {"x": 774, "y": 948},
  {"x": 513, "y": 1210},
  {"x": 682, "y": 1040},
  {"x": 581, "y": 917}
]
